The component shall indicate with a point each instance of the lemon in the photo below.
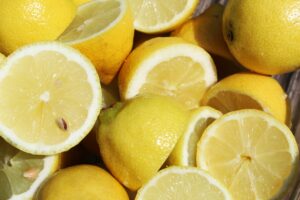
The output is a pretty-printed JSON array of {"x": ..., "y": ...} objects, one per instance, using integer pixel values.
[
  {"x": 178, "y": 183},
  {"x": 253, "y": 154},
  {"x": 21, "y": 174},
  {"x": 50, "y": 98},
  {"x": 151, "y": 16},
  {"x": 205, "y": 30},
  {"x": 80, "y": 2},
  {"x": 82, "y": 182},
  {"x": 245, "y": 90},
  {"x": 103, "y": 31},
  {"x": 263, "y": 35},
  {"x": 184, "y": 153},
  {"x": 168, "y": 66},
  {"x": 26, "y": 21},
  {"x": 2, "y": 58},
  {"x": 136, "y": 137}
]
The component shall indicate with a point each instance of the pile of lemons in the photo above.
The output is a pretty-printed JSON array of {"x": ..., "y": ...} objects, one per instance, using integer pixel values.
[{"x": 138, "y": 99}]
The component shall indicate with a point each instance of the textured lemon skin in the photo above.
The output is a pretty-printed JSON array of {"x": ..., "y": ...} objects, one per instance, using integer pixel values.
[
  {"x": 263, "y": 89},
  {"x": 27, "y": 21},
  {"x": 82, "y": 182},
  {"x": 138, "y": 139},
  {"x": 108, "y": 50},
  {"x": 264, "y": 35}
]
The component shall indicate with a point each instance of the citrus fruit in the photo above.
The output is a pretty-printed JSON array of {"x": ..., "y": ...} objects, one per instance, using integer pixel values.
[
  {"x": 21, "y": 173},
  {"x": 26, "y": 21},
  {"x": 80, "y": 2},
  {"x": 153, "y": 16},
  {"x": 177, "y": 183},
  {"x": 51, "y": 98},
  {"x": 184, "y": 153},
  {"x": 253, "y": 154},
  {"x": 205, "y": 30},
  {"x": 2, "y": 58},
  {"x": 103, "y": 31},
  {"x": 263, "y": 35},
  {"x": 82, "y": 182},
  {"x": 137, "y": 136},
  {"x": 168, "y": 66},
  {"x": 245, "y": 90}
]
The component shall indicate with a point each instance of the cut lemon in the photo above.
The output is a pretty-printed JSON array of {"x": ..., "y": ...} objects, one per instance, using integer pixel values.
[
  {"x": 248, "y": 91},
  {"x": 184, "y": 153},
  {"x": 2, "y": 58},
  {"x": 103, "y": 31},
  {"x": 250, "y": 152},
  {"x": 80, "y": 2},
  {"x": 168, "y": 66},
  {"x": 178, "y": 183},
  {"x": 21, "y": 173},
  {"x": 50, "y": 98},
  {"x": 152, "y": 16}
]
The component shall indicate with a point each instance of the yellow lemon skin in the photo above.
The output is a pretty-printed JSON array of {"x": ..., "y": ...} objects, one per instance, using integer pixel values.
[
  {"x": 28, "y": 21},
  {"x": 82, "y": 182},
  {"x": 264, "y": 35},
  {"x": 136, "y": 138}
]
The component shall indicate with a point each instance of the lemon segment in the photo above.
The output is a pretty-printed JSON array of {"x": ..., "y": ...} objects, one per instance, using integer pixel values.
[
  {"x": 177, "y": 183},
  {"x": 103, "y": 31},
  {"x": 21, "y": 173},
  {"x": 161, "y": 16},
  {"x": 251, "y": 153},
  {"x": 170, "y": 67},
  {"x": 184, "y": 153},
  {"x": 249, "y": 91},
  {"x": 43, "y": 108}
]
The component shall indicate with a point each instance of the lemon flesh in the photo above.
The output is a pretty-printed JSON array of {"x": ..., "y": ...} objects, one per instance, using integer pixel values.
[
  {"x": 251, "y": 153},
  {"x": 52, "y": 98},
  {"x": 177, "y": 183},
  {"x": 21, "y": 173}
]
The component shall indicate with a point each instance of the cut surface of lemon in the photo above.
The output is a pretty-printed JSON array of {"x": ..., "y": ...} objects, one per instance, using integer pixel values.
[
  {"x": 177, "y": 183},
  {"x": 152, "y": 16},
  {"x": 253, "y": 154},
  {"x": 21, "y": 173},
  {"x": 248, "y": 91},
  {"x": 184, "y": 153},
  {"x": 103, "y": 31},
  {"x": 51, "y": 97},
  {"x": 168, "y": 66}
]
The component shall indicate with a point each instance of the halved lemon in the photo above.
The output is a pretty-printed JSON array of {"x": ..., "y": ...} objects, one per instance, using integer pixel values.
[
  {"x": 168, "y": 66},
  {"x": 253, "y": 154},
  {"x": 152, "y": 16},
  {"x": 184, "y": 153},
  {"x": 178, "y": 183},
  {"x": 50, "y": 98},
  {"x": 21, "y": 174},
  {"x": 249, "y": 91},
  {"x": 103, "y": 31}
]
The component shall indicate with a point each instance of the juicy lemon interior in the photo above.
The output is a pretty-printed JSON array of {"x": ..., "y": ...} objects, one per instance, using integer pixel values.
[
  {"x": 227, "y": 101},
  {"x": 149, "y": 13},
  {"x": 90, "y": 21},
  {"x": 179, "y": 77},
  {"x": 253, "y": 158},
  {"x": 50, "y": 93}
]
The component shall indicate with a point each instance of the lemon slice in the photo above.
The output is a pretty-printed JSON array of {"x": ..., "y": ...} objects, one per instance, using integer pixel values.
[
  {"x": 250, "y": 152},
  {"x": 184, "y": 153},
  {"x": 103, "y": 31},
  {"x": 50, "y": 98},
  {"x": 168, "y": 66},
  {"x": 248, "y": 91},
  {"x": 152, "y": 16},
  {"x": 21, "y": 173},
  {"x": 178, "y": 183}
]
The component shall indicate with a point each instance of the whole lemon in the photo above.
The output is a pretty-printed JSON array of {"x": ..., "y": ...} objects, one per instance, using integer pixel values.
[
  {"x": 27, "y": 21},
  {"x": 264, "y": 35},
  {"x": 80, "y": 182},
  {"x": 136, "y": 137}
]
